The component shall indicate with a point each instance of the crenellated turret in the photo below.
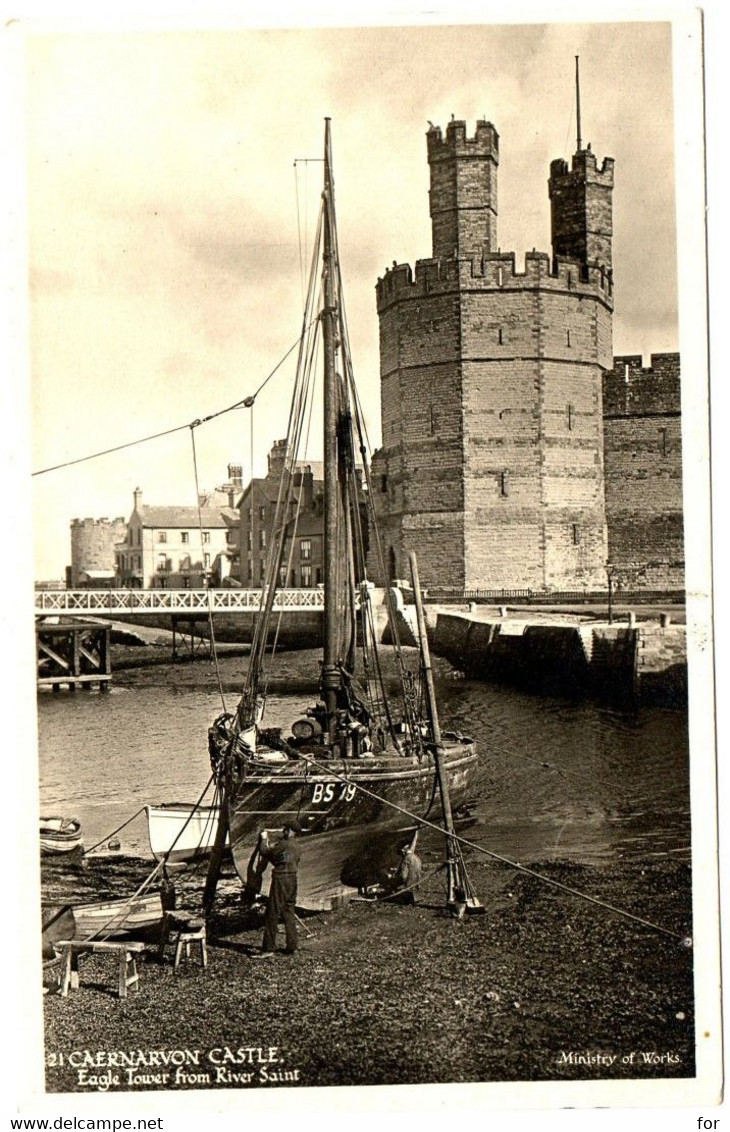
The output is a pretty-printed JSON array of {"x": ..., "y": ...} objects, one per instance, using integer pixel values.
[
  {"x": 581, "y": 209},
  {"x": 463, "y": 194}
]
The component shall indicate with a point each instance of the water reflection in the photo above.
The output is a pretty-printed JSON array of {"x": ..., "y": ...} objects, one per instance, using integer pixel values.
[{"x": 556, "y": 780}]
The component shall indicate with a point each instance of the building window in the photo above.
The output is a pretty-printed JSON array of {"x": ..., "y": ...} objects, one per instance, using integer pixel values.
[
  {"x": 162, "y": 536},
  {"x": 282, "y": 575},
  {"x": 576, "y": 534},
  {"x": 383, "y": 484},
  {"x": 206, "y": 561},
  {"x": 162, "y": 583},
  {"x": 262, "y": 538},
  {"x": 206, "y": 536},
  {"x": 318, "y": 576},
  {"x": 249, "y": 540},
  {"x": 306, "y": 576},
  {"x": 262, "y": 514},
  {"x": 186, "y": 583},
  {"x": 184, "y": 537},
  {"x": 306, "y": 548},
  {"x": 230, "y": 538},
  {"x": 663, "y": 440},
  {"x": 504, "y": 483},
  {"x": 249, "y": 570},
  {"x": 161, "y": 563}
]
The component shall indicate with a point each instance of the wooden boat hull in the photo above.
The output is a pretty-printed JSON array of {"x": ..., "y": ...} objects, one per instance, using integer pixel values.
[
  {"x": 60, "y": 835},
  {"x": 180, "y": 833},
  {"x": 57, "y": 923},
  {"x": 108, "y": 919},
  {"x": 349, "y": 810}
]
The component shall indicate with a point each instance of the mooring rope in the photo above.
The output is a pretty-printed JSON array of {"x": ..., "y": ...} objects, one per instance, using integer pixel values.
[
  {"x": 115, "y": 831},
  {"x": 500, "y": 857}
]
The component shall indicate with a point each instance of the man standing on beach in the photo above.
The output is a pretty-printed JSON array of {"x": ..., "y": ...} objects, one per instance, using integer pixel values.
[{"x": 283, "y": 855}]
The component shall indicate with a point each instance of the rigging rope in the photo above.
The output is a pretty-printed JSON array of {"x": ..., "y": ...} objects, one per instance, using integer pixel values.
[
  {"x": 244, "y": 403},
  {"x": 497, "y": 856},
  {"x": 206, "y": 578}
]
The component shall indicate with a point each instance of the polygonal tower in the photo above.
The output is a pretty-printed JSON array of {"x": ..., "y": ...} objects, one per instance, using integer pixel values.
[{"x": 492, "y": 458}]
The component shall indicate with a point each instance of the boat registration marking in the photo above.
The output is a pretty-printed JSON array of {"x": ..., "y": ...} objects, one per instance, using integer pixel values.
[{"x": 325, "y": 791}]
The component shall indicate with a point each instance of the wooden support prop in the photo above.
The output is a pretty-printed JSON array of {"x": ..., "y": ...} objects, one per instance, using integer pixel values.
[{"x": 460, "y": 894}]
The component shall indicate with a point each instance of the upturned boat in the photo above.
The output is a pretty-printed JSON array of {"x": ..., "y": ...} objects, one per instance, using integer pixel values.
[
  {"x": 60, "y": 835},
  {"x": 362, "y": 766}
]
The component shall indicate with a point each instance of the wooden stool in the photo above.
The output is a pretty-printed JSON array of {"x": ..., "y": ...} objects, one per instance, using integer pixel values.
[
  {"x": 183, "y": 931},
  {"x": 126, "y": 954}
]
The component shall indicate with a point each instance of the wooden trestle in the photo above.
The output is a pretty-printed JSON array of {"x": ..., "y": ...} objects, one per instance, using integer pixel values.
[{"x": 74, "y": 653}]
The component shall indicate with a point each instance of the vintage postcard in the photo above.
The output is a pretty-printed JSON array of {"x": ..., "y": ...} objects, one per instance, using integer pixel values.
[{"x": 370, "y": 685}]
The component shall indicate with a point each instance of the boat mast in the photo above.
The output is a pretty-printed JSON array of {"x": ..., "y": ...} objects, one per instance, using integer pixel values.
[{"x": 331, "y": 676}]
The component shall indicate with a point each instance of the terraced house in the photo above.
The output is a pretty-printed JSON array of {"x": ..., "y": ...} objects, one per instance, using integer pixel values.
[{"x": 173, "y": 547}]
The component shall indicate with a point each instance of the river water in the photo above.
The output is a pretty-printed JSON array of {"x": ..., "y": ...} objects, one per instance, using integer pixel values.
[{"x": 557, "y": 780}]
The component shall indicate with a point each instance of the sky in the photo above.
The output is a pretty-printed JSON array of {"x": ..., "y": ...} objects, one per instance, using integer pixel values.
[{"x": 168, "y": 222}]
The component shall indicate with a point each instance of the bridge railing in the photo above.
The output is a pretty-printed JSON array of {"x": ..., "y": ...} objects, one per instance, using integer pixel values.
[{"x": 50, "y": 602}]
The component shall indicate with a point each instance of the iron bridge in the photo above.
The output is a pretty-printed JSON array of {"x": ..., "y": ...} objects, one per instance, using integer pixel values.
[{"x": 81, "y": 603}]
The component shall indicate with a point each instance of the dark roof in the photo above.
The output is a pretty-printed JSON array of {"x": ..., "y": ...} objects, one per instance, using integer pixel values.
[
  {"x": 269, "y": 488},
  {"x": 310, "y": 522},
  {"x": 184, "y": 517}
]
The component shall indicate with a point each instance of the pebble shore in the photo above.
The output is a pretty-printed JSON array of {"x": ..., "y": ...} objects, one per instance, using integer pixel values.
[{"x": 543, "y": 986}]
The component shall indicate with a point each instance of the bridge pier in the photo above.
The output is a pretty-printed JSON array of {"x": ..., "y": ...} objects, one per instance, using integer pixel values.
[
  {"x": 74, "y": 653},
  {"x": 188, "y": 642}
]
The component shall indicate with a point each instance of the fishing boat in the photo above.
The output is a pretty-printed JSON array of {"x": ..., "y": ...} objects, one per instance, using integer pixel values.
[
  {"x": 60, "y": 835},
  {"x": 361, "y": 767},
  {"x": 181, "y": 833}
]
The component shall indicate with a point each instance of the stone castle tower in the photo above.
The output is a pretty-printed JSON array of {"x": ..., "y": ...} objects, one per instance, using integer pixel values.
[{"x": 492, "y": 459}]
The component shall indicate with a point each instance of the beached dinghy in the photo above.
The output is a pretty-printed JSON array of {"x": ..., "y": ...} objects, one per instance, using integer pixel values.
[
  {"x": 60, "y": 835},
  {"x": 107, "y": 919},
  {"x": 181, "y": 832}
]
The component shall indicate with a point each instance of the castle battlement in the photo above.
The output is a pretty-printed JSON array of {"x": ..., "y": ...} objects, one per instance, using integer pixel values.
[
  {"x": 584, "y": 164},
  {"x": 98, "y": 523},
  {"x": 484, "y": 143},
  {"x": 633, "y": 389},
  {"x": 492, "y": 271}
]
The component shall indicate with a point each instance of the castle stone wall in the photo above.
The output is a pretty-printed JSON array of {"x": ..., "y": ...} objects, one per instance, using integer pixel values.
[{"x": 643, "y": 471}]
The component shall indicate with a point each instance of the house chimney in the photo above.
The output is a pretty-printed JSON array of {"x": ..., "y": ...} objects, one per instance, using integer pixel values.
[
  {"x": 307, "y": 489},
  {"x": 277, "y": 458},
  {"x": 235, "y": 476},
  {"x": 137, "y": 498}
]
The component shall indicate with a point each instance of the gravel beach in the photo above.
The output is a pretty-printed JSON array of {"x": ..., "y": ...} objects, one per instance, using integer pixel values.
[{"x": 543, "y": 986}]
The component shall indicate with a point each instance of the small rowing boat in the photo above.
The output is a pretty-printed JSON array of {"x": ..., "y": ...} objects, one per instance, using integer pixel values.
[
  {"x": 60, "y": 835},
  {"x": 110, "y": 918},
  {"x": 181, "y": 832}
]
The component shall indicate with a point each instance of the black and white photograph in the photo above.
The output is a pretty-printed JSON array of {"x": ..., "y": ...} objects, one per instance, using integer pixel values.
[{"x": 366, "y": 713}]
